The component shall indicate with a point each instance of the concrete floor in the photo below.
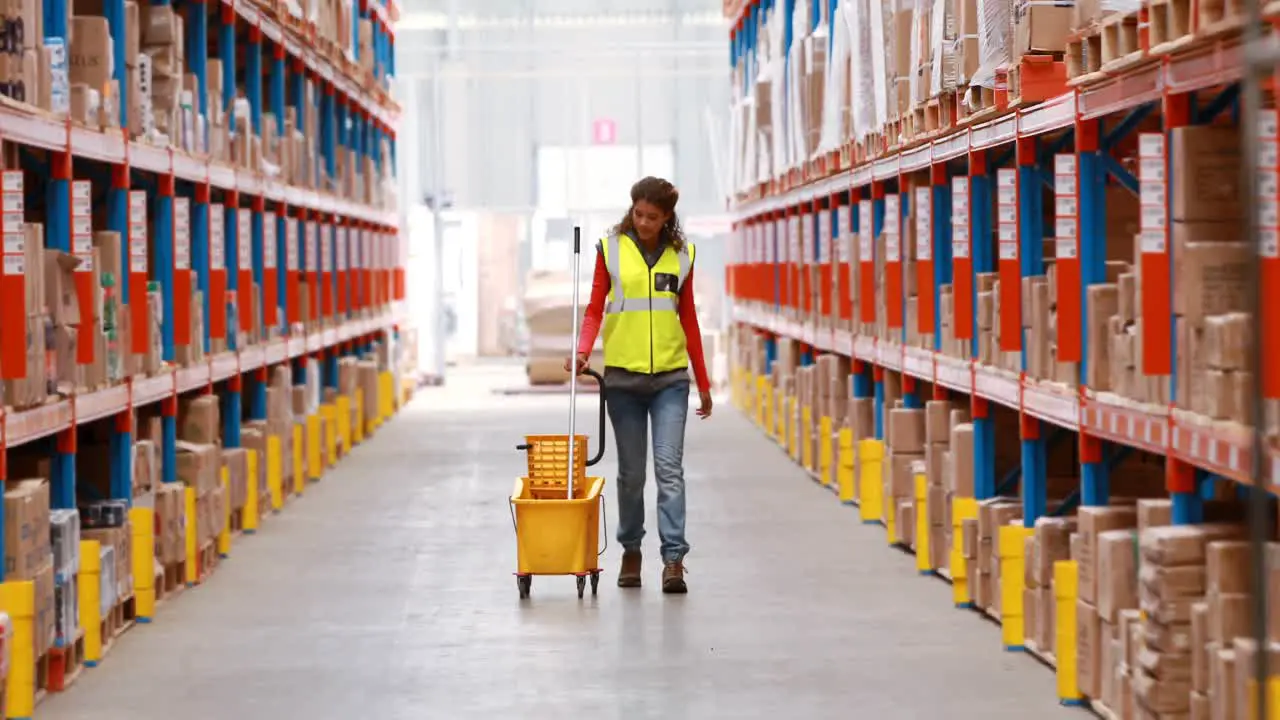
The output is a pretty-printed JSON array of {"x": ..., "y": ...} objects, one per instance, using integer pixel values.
[{"x": 386, "y": 593}]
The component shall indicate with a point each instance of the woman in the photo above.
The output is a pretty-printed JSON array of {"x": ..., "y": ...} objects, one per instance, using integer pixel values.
[{"x": 643, "y": 290}]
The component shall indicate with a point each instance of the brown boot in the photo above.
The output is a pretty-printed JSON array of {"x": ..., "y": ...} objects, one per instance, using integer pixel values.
[
  {"x": 673, "y": 578},
  {"x": 629, "y": 575}
]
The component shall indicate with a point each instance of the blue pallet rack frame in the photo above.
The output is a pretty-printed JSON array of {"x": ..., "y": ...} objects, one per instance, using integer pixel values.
[
  {"x": 117, "y": 167},
  {"x": 1086, "y": 124}
]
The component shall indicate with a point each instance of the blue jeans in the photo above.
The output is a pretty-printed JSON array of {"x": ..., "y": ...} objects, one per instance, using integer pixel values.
[{"x": 630, "y": 413}]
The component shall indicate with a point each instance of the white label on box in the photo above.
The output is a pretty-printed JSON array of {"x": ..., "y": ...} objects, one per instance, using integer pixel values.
[
  {"x": 1151, "y": 193},
  {"x": 1007, "y": 198},
  {"x": 323, "y": 245},
  {"x": 1065, "y": 206},
  {"x": 1151, "y": 145},
  {"x": 1151, "y": 169},
  {"x": 959, "y": 195},
  {"x": 1064, "y": 164},
  {"x": 11, "y": 223},
  {"x": 86, "y": 262},
  {"x": 81, "y": 190},
  {"x": 844, "y": 220},
  {"x": 341, "y": 254},
  {"x": 1066, "y": 247},
  {"x": 15, "y": 265},
  {"x": 181, "y": 234},
  {"x": 1008, "y": 249},
  {"x": 15, "y": 243},
  {"x": 1007, "y": 214},
  {"x": 1269, "y": 243},
  {"x": 1007, "y": 233},
  {"x": 82, "y": 226},
  {"x": 1268, "y": 154},
  {"x": 138, "y": 264},
  {"x": 312, "y": 250},
  {"x": 244, "y": 240},
  {"x": 138, "y": 206},
  {"x": 290, "y": 244},
  {"x": 217, "y": 239},
  {"x": 269, "y": 250},
  {"x": 1066, "y": 227},
  {"x": 892, "y": 251},
  {"x": 12, "y": 203},
  {"x": 1007, "y": 178},
  {"x": 960, "y": 240},
  {"x": 1064, "y": 185},
  {"x": 1153, "y": 217},
  {"x": 82, "y": 208},
  {"x": 892, "y": 214},
  {"x": 1153, "y": 241},
  {"x": 824, "y": 237},
  {"x": 81, "y": 243},
  {"x": 1268, "y": 212},
  {"x": 1267, "y": 183},
  {"x": 11, "y": 181}
]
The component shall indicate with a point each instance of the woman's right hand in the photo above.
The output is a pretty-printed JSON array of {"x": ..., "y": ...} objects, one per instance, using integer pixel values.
[{"x": 583, "y": 363}]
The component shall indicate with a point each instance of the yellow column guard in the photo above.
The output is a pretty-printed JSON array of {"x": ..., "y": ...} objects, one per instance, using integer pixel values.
[
  {"x": 275, "y": 472},
  {"x": 142, "y": 541},
  {"x": 251, "y": 501},
  {"x": 870, "y": 459},
  {"x": 224, "y": 534},
  {"x": 961, "y": 509},
  {"x": 1066, "y": 577},
  {"x": 192, "y": 539},
  {"x": 1012, "y": 548},
  {"x": 924, "y": 562},
  {"x": 89, "y": 593}
]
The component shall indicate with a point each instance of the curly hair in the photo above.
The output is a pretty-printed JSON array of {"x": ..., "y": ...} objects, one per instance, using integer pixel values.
[{"x": 663, "y": 195}]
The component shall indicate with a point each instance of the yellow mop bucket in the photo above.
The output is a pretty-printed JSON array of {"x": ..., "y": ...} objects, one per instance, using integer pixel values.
[{"x": 556, "y": 510}]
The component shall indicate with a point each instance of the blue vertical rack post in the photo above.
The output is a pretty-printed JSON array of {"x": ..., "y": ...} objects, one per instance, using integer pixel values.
[
  {"x": 162, "y": 245},
  {"x": 58, "y": 228},
  {"x": 1031, "y": 263},
  {"x": 197, "y": 50},
  {"x": 981, "y": 233},
  {"x": 1095, "y": 485},
  {"x": 200, "y": 248}
]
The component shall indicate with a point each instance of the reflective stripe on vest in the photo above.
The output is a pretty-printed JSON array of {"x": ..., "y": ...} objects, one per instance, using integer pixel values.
[{"x": 642, "y": 331}]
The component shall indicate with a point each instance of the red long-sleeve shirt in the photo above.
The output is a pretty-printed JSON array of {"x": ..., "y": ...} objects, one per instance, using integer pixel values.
[{"x": 600, "y": 285}]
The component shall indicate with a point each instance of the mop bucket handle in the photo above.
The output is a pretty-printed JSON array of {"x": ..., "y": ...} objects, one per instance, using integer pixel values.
[{"x": 600, "y": 450}]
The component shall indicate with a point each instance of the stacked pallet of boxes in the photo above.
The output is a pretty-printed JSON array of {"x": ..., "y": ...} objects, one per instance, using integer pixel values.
[
  {"x": 199, "y": 468},
  {"x": 905, "y": 438}
]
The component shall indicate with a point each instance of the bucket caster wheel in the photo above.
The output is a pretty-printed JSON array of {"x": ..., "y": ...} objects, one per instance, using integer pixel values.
[
  {"x": 582, "y": 585},
  {"x": 595, "y": 582},
  {"x": 525, "y": 584}
]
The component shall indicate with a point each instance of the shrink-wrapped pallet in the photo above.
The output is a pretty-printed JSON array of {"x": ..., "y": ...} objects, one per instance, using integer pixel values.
[
  {"x": 866, "y": 68},
  {"x": 1088, "y": 13},
  {"x": 995, "y": 25}
]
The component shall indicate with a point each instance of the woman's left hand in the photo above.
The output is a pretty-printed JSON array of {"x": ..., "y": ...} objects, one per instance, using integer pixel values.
[{"x": 704, "y": 410}]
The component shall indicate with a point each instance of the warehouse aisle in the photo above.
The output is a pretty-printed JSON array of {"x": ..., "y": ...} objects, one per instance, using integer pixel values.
[{"x": 386, "y": 593}]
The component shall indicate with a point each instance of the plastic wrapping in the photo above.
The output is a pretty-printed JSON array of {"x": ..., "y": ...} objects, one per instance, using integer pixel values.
[
  {"x": 861, "y": 84},
  {"x": 943, "y": 31},
  {"x": 995, "y": 26},
  {"x": 1088, "y": 12}
]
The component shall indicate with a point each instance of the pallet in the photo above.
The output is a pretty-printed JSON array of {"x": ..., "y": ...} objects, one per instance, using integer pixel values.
[
  {"x": 940, "y": 113},
  {"x": 979, "y": 105},
  {"x": 1178, "y": 24},
  {"x": 237, "y": 521},
  {"x": 126, "y": 612},
  {"x": 171, "y": 581},
  {"x": 65, "y": 664},
  {"x": 1084, "y": 57},
  {"x": 207, "y": 560},
  {"x": 1044, "y": 656},
  {"x": 1121, "y": 43}
]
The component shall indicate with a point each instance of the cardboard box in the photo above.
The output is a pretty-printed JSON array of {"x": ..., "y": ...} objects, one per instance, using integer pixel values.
[
  {"x": 197, "y": 466},
  {"x": 1088, "y": 649},
  {"x": 27, "y": 541},
  {"x": 1206, "y": 159},
  {"x": 1093, "y": 521}
]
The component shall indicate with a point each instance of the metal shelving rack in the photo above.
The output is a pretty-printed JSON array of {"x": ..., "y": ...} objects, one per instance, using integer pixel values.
[
  {"x": 214, "y": 227},
  {"x": 1064, "y": 143}
]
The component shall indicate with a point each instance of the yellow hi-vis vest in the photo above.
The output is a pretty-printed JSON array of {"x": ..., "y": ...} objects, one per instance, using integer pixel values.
[{"x": 642, "y": 330}]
